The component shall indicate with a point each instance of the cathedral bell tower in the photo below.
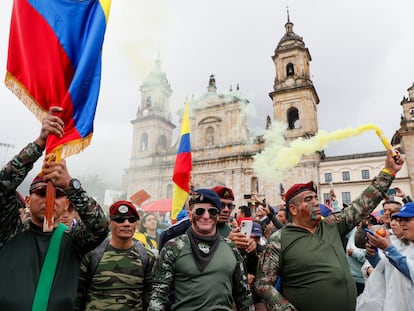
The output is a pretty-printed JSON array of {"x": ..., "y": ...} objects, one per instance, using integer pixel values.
[
  {"x": 405, "y": 135},
  {"x": 295, "y": 100},
  {"x": 150, "y": 165},
  {"x": 152, "y": 127},
  {"x": 294, "y": 96}
]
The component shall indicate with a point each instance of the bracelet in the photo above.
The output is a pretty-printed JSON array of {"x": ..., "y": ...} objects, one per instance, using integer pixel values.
[{"x": 387, "y": 171}]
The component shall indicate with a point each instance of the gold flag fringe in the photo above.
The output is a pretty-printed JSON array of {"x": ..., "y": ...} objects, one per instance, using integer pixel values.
[
  {"x": 62, "y": 151},
  {"x": 71, "y": 147},
  {"x": 24, "y": 96}
]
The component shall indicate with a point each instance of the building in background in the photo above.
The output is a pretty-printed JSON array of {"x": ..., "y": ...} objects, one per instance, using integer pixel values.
[{"x": 223, "y": 148}]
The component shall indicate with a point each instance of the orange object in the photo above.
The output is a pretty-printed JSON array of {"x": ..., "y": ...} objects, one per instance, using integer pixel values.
[
  {"x": 381, "y": 232},
  {"x": 49, "y": 207}
]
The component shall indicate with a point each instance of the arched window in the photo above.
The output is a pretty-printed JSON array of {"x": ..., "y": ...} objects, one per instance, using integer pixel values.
[
  {"x": 293, "y": 118},
  {"x": 162, "y": 142},
  {"x": 290, "y": 70},
  {"x": 143, "y": 142},
  {"x": 209, "y": 136},
  {"x": 255, "y": 185},
  {"x": 169, "y": 191}
]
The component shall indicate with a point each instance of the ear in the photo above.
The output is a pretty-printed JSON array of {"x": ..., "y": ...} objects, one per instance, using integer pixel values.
[
  {"x": 190, "y": 214},
  {"x": 66, "y": 205},
  {"x": 27, "y": 201},
  {"x": 293, "y": 210}
]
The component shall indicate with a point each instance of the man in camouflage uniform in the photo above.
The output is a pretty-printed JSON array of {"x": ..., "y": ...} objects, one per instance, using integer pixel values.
[
  {"x": 308, "y": 254},
  {"x": 205, "y": 270},
  {"x": 23, "y": 244},
  {"x": 117, "y": 275}
]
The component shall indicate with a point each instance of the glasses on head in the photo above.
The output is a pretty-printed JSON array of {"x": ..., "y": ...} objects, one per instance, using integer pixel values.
[
  {"x": 41, "y": 192},
  {"x": 199, "y": 211},
  {"x": 228, "y": 205},
  {"x": 121, "y": 220}
]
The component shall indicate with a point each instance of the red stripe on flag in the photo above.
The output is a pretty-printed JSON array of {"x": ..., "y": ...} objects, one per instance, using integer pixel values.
[
  {"x": 37, "y": 48},
  {"x": 182, "y": 170}
]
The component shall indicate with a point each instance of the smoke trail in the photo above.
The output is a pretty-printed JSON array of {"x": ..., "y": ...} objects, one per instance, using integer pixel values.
[{"x": 278, "y": 157}]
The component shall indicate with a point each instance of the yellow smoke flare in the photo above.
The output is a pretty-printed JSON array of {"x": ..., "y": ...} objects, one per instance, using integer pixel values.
[{"x": 277, "y": 157}]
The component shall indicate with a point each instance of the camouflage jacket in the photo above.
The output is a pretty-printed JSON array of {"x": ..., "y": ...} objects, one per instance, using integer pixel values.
[
  {"x": 166, "y": 270},
  {"x": 23, "y": 245},
  {"x": 120, "y": 282},
  {"x": 273, "y": 262},
  {"x": 88, "y": 235}
]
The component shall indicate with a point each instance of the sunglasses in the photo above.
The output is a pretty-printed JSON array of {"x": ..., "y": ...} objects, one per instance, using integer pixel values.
[
  {"x": 41, "y": 192},
  {"x": 199, "y": 211},
  {"x": 121, "y": 220},
  {"x": 228, "y": 205}
]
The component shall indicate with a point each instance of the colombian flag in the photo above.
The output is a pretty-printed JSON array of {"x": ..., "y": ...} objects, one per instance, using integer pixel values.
[
  {"x": 182, "y": 168},
  {"x": 54, "y": 59}
]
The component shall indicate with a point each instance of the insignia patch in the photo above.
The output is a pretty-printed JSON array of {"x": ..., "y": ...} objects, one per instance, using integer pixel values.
[
  {"x": 204, "y": 248},
  {"x": 123, "y": 209}
]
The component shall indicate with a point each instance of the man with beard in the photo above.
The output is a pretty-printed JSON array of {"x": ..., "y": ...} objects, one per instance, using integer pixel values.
[
  {"x": 308, "y": 254},
  {"x": 205, "y": 270},
  {"x": 117, "y": 274}
]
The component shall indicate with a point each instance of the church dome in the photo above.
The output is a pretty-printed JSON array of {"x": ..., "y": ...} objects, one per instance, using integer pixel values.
[
  {"x": 156, "y": 77},
  {"x": 290, "y": 39}
]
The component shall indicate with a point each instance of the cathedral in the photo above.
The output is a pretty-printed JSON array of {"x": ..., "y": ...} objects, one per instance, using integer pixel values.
[{"x": 223, "y": 149}]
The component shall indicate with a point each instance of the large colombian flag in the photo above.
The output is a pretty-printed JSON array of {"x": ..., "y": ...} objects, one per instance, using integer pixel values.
[
  {"x": 54, "y": 59},
  {"x": 182, "y": 168}
]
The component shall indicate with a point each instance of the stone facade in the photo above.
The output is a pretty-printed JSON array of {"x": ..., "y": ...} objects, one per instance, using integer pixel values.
[{"x": 223, "y": 148}]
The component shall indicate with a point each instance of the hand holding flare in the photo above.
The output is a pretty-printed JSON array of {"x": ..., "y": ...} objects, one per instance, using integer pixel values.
[
  {"x": 278, "y": 157},
  {"x": 385, "y": 141}
]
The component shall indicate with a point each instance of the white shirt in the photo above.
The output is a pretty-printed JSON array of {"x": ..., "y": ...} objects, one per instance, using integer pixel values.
[{"x": 387, "y": 288}]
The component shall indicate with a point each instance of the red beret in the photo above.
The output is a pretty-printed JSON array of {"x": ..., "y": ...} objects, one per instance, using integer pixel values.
[
  {"x": 298, "y": 188},
  {"x": 123, "y": 208},
  {"x": 224, "y": 192},
  {"x": 37, "y": 182}
]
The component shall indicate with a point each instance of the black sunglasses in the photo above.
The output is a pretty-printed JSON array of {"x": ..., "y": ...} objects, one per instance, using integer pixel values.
[
  {"x": 121, "y": 220},
  {"x": 41, "y": 192},
  {"x": 228, "y": 205},
  {"x": 199, "y": 211}
]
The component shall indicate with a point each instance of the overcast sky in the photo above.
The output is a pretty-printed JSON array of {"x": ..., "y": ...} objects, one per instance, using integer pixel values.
[{"x": 362, "y": 64}]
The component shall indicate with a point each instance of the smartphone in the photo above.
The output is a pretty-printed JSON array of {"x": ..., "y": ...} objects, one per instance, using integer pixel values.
[
  {"x": 247, "y": 196},
  {"x": 392, "y": 191},
  {"x": 246, "y": 227},
  {"x": 368, "y": 231}
]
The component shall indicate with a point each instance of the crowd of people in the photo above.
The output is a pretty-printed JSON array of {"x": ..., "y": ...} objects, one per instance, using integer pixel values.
[{"x": 295, "y": 256}]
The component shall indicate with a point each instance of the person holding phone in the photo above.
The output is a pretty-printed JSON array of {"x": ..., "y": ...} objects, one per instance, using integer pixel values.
[
  {"x": 389, "y": 286},
  {"x": 401, "y": 194},
  {"x": 388, "y": 207},
  {"x": 308, "y": 254}
]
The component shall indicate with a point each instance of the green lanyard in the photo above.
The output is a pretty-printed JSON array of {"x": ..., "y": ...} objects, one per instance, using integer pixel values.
[{"x": 41, "y": 298}]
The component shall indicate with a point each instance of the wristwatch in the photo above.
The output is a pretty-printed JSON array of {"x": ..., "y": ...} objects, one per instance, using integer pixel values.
[{"x": 75, "y": 184}]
